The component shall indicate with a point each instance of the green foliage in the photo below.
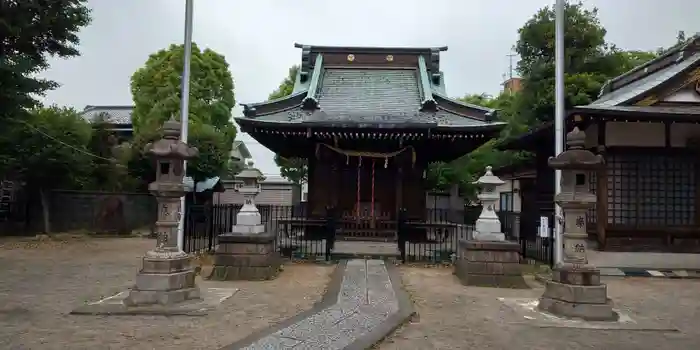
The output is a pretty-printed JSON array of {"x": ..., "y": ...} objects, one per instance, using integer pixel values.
[
  {"x": 214, "y": 152},
  {"x": 589, "y": 61},
  {"x": 107, "y": 173},
  {"x": 156, "y": 89},
  {"x": 293, "y": 169},
  {"x": 49, "y": 149},
  {"x": 156, "y": 92},
  {"x": 32, "y": 31},
  {"x": 286, "y": 87}
]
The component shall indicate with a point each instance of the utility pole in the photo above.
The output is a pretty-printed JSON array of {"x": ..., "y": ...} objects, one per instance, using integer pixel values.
[
  {"x": 508, "y": 82},
  {"x": 510, "y": 64}
]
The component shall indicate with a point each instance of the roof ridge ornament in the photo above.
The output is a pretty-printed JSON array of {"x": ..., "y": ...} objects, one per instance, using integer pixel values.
[
  {"x": 427, "y": 101},
  {"x": 305, "y": 63},
  {"x": 310, "y": 101},
  {"x": 435, "y": 64}
]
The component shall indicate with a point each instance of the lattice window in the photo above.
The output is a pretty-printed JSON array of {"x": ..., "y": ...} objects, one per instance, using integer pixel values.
[
  {"x": 591, "y": 215},
  {"x": 651, "y": 188}
]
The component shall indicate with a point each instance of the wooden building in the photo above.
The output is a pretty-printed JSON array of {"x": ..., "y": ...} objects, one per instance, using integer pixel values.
[
  {"x": 369, "y": 121},
  {"x": 646, "y": 123}
]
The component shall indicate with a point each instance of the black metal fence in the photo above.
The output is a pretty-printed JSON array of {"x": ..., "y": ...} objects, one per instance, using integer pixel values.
[{"x": 434, "y": 237}]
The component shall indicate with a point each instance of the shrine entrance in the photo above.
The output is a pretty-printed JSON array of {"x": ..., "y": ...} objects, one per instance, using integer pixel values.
[{"x": 363, "y": 186}]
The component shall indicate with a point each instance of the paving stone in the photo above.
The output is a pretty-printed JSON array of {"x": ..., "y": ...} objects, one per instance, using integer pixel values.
[{"x": 365, "y": 301}]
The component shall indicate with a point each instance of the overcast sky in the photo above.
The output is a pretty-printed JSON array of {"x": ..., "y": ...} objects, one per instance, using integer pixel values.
[{"x": 257, "y": 38}]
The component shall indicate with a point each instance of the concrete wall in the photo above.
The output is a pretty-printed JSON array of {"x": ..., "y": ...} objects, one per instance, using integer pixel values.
[
  {"x": 511, "y": 186},
  {"x": 272, "y": 193}
]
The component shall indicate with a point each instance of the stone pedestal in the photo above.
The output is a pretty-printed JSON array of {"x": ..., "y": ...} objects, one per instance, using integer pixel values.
[
  {"x": 577, "y": 293},
  {"x": 248, "y": 252},
  {"x": 490, "y": 264},
  {"x": 250, "y": 257},
  {"x": 163, "y": 280}
]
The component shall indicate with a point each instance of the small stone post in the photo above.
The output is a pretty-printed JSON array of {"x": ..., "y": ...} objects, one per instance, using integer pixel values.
[
  {"x": 248, "y": 251},
  {"x": 488, "y": 259},
  {"x": 575, "y": 290},
  {"x": 166, "y": 276}
]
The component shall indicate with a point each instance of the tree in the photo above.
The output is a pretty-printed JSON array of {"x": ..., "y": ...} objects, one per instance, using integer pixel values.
[
  {"x": 108, "y": 173},
  {"x": 156, "y": 89},
  {"x": 589, "y": 61},
  {"x": 31, "y": 32},
  {"x": 293, "y": 169},
  {"x": 466, "y": 169},
  {"x": 49, "y": 150},
  {"x": 286, "y": 87},
  {"x": 156, "y": 93}
]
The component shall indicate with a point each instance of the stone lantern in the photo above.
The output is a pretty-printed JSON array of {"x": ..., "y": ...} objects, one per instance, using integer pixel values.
[
  {"x": 488, "y": 259},
  {"x": 248, "y": 251},
  {"x": 488, "y": 226},
  {"x": 166, "y": 276},
  {"x": 575, "y": 290},
  {"x": 248, "y": 219}
]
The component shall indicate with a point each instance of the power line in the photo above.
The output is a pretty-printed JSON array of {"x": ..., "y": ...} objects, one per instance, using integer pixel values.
[
  {"x": 86, "y": 152},
  {"x": 83, "y": 151}
]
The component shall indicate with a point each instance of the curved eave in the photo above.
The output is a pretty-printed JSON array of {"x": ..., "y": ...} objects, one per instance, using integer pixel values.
[
  {"x": 246, "y": 123},
  {"x": 262, "y": 108},
  {"x": 451, "y": 102},
  {"x": 497, "y": 127}
]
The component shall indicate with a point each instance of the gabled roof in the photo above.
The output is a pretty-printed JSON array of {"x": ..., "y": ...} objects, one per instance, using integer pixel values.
[
  {"x": 117, "y": 115},
  {"x": 618, "y": 95},
  {"x": 639, "y": 81},
  {"x": 368, "y": 87}
]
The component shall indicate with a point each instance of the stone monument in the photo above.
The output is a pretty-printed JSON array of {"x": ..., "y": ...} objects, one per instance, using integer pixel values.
[
  {"x": 248, "y": 251},
  {"x": 489, "y": 259},
  {"x": 575, "y": 290},
  {"x": 166, "y": 276}
]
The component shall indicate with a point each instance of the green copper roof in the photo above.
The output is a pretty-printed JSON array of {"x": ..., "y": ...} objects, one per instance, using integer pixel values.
[
  {"x": 369, "y": 95},
  {"x": 381, "y": 91}
]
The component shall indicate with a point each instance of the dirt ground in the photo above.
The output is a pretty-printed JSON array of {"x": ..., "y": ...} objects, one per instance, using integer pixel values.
[
  {"x": 452, "y": 316},
  {"x": 41, "y": 282}
]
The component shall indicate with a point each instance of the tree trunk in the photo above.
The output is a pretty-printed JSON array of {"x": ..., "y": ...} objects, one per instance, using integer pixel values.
[{"x": 45, "y": 209}]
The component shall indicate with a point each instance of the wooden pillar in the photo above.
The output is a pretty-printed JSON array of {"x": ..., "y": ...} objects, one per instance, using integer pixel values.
[
  {"x": 602, "y": 190},
  {"x": 399, "y": 189}
]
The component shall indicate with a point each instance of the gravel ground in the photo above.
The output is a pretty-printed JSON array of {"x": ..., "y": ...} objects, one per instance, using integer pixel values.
[
  {"x": 43, "y": 281},
  {"x": 452, "y": 316}
]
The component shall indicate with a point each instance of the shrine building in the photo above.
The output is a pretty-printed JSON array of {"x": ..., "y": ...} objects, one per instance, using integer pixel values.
[
  {"x": 646, "y": 124},
  {"x": 369, "y": 121}
]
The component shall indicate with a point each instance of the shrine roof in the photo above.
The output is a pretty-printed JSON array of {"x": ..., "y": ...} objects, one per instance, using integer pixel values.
[{"x": 369, "y": 87}]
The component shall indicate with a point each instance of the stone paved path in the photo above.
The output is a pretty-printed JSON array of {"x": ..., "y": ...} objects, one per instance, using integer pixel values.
[{"x": 365, "y": 301}]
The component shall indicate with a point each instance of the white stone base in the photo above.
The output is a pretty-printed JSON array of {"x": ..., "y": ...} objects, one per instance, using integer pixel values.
[
  {"x": 248, "y": 218},
  {"x": 247, "y": 229},
  {"x": 489, "y": 236}
]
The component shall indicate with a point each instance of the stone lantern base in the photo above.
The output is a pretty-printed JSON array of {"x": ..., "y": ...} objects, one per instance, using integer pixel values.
[
  {"x": 246, "y": 256},
  {"x": 576, "y": 292},
  {"x": 490, "y": 264},
  {"x": 163, "y": 280}
]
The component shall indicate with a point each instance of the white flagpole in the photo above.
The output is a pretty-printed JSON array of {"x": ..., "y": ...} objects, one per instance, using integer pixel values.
[
  {"x": 184, "y": 110},
  {"x": 558, "y": 119}
]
